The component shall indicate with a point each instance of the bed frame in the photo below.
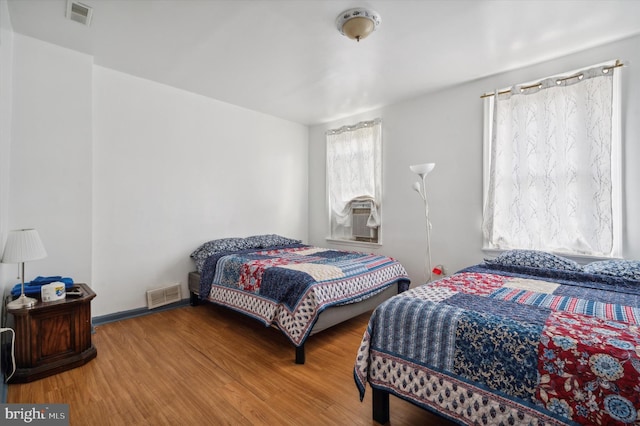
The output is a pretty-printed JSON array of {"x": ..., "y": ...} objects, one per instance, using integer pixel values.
[
  {"x": 380, "y": 408},
  {"x": 328, "y": 318}
]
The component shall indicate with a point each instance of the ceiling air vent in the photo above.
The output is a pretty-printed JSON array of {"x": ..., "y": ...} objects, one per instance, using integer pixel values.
[{"x": 79, "y": 12}]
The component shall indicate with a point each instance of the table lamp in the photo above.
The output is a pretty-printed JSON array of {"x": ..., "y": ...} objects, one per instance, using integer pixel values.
[{"x": 23, "y": 245}]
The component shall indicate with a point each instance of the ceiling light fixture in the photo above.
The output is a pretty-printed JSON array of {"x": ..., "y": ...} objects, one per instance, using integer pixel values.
[{"x": 357, "y": 23}]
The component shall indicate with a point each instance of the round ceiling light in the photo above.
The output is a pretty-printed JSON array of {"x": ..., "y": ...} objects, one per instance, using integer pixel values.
[{"x": 357, "y": 23}]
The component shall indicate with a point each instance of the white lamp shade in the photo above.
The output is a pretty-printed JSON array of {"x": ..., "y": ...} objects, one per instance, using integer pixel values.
[
  {"x": 422, "y": 169},
  {"x": 23, "y": 245}
]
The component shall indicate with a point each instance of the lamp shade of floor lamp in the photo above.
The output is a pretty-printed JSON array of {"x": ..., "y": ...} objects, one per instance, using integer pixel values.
[
  {"x": 422, "y": 170},
  {"x": 23, "y": 245}
]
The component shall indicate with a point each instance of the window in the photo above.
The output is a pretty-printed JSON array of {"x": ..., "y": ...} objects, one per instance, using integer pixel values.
[
  {"x": 354, "y": 181},
  {"x": 552, "y": 165}
]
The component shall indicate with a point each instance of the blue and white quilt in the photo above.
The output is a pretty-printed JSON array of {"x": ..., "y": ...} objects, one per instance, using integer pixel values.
[
  {"x": 290, "y": 286},
  {"x": 511, "y": 345}
]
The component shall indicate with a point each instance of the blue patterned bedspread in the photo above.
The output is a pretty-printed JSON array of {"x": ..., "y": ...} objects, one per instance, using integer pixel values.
[
  {"x": 510, "y": 346},
  {"x": 290, "y": 286}
]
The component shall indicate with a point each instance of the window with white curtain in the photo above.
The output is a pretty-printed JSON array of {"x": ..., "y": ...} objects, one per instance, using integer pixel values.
[
  {"x": 354, "y": 181},
  {"x": 552, "y": 159}
]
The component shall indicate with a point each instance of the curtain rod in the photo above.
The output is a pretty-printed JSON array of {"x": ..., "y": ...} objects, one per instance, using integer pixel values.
[
  {"x": 367, "y": 123},
  {"x": 578, "y": 75}
]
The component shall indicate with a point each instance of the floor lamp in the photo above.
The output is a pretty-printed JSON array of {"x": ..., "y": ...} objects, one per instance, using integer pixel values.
[
  {"x": 420, "y": 187},
  {"x": 23, "y": 245}
]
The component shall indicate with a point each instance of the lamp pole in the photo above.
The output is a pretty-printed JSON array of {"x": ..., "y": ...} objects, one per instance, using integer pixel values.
[
  {"x": 420, "y": 187},
  {"x": 427, "y": 273}
]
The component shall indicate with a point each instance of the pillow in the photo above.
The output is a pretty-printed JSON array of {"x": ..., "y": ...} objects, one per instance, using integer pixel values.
[
  {"x": 269, "y": 240},
  {"x": 534, "y": 259},
  {"x": 629, "y": 269},
  {"x": 217, "y": 246}
]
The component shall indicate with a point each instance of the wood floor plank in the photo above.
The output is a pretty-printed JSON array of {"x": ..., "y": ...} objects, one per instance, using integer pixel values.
[{"x": 209, "y": 365}]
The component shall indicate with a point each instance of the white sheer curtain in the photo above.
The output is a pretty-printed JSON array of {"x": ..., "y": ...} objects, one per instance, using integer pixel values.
[
  {"x": 551, "y": 181},
  {"x": 354, "y": 163}
]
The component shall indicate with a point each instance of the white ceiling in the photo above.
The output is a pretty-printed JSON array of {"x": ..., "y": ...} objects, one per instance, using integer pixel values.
[{"x": 286, "y": 58}]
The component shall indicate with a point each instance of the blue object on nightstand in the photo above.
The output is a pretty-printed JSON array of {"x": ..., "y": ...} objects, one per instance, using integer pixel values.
[{"x": 33, "y": 287}]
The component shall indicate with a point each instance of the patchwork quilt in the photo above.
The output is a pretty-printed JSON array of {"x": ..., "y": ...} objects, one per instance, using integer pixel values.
[
  {"x": 290, "y": 286},
  {"x": 494, "y": 345}
]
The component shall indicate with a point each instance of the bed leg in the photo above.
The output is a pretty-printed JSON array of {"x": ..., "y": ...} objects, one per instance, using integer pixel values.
[
  {"x": 380, "y": 401},
  {"x": 300, "y": 354},
  {"x": 194, "y": 299}
]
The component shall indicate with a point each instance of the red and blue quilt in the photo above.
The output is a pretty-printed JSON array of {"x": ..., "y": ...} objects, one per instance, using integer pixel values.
[
  {"x": 493, "y": 345},
  {"x": 290, "y": 286}
]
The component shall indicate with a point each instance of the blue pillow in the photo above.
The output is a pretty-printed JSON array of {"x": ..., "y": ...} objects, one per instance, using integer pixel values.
[
  {"x": 628, "y": 269},
  {"x": 218, "y": 246},
  {"x": 269, "y": 240},
  {"x": 534, "y": 259}
]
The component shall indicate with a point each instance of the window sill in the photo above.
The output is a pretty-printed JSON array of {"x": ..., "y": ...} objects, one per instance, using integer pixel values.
[{"x": 353, "y": 243}]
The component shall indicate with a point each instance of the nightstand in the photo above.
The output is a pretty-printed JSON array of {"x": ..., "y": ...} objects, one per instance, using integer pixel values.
[{"x": 52, "y": 337}]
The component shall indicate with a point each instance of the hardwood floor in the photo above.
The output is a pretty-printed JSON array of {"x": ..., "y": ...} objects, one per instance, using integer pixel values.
[{"x": 209, "y": 365}]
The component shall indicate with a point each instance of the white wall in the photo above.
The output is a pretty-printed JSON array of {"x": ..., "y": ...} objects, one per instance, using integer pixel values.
[
  {"x": 50, "y": 176},
  {"x": 172, "y": 170},
  {"x": 446, "y": 128},
  {"x": 6, "y": 79},
  {"x": 124, "y": 177},
  {"x": 6, "y": 68}
]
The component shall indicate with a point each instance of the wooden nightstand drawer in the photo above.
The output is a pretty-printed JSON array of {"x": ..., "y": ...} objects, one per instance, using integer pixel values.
[{"x": 53, "y": 336}]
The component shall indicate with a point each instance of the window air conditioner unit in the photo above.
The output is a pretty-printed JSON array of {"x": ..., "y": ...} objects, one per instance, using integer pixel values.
[{"x": 360, "y": 212}]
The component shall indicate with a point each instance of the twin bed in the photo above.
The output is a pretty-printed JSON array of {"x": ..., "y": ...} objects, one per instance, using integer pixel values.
[
  {"x": 527, "y": 338},
  {"x": 299, "y": 289}
]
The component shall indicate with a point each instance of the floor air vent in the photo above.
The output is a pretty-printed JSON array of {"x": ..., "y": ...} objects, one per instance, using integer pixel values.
[{"x": 163, "y": 296}]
